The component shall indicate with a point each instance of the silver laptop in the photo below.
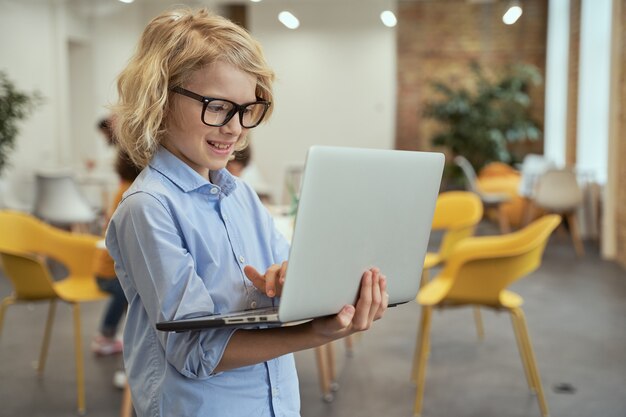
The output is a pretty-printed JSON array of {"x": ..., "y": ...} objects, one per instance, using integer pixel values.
[{"x": 358, "y": 208}]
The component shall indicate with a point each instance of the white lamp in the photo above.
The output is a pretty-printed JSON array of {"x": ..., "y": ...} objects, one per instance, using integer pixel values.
[{"x": 59, "y": 201}]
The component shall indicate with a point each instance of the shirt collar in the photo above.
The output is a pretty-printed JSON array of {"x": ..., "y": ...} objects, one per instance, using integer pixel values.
[{"x": 183, "y": 176}]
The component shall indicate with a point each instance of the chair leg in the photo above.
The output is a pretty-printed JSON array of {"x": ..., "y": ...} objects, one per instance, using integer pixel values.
[
  {"x": 332, "y": 369},
  {"x": 126, "y": 410},
  {"x": 6, "y": 302},
  {"x": 518, "y": 315},
  {"x": 528, "y": 212},
  {"x": 349, "y": 342},
  {"x": 503, "y": 220},
  {"x": 421, "y": 358},
  {"x": 425, "y": 277},
  {"x": 478, "y": 319},
  {"x": 78, "y": 351},
  {"x": 575, "y": 234},
  {"x": 523, "y": 353},
  {"x": 43, "y": 354},
  {"x": 323, "y": 372}
]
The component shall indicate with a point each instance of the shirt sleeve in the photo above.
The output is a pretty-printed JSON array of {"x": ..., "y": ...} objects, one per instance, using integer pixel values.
[{"x": 149, "y": 251}]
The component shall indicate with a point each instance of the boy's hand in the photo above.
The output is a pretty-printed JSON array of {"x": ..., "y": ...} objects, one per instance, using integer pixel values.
[
  {"x": 271, "y": 283},
  {"x": 370, "y": 306}
]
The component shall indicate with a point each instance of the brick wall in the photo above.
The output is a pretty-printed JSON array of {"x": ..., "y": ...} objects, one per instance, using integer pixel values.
[{"x": 437, "y": 40}]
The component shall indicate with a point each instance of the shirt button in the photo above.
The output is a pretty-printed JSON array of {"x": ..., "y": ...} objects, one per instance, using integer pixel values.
[
  {"x": 274, "y": 392},
  {"x": 225, "y": 218},
  {"x": 242, "y": 259},
  {"x": 215, "y": 190},
  {"x": 253, "y": 304}
]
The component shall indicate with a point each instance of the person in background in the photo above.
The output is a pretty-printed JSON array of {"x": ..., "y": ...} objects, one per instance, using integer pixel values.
[
  {"x": 106, "y": 341},
  {"x": 105, "y": 126},
  {"x": 241, "y": 166},
  {"x": 239, "y": 162},
  {"x": 188, "y": 239}
]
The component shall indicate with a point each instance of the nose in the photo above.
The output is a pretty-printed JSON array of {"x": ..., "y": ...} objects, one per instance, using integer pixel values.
[{"x": 233, "y": 127}]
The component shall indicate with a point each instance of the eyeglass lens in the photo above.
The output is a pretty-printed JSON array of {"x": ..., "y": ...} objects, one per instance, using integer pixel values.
[{"x": 218, "y": 112}]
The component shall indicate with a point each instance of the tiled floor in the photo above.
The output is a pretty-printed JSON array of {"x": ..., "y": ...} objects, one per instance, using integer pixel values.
[{"x": 576, "y": 312}]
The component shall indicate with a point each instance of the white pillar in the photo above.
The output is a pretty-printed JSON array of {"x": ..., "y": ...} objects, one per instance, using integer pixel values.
[
  {"x": 593, "y": 88},
  {"x": 556, "y": 83}
]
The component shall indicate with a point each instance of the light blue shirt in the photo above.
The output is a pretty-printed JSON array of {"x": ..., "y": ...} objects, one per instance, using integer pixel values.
[{"x": 180, "y": 244}]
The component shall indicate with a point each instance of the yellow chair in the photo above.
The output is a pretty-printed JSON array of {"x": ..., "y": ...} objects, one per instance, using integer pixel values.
[
  {"x": 25, "y": 244},
  {"x": 477, "y": 273},
  {"x": 456, "y": 214}
]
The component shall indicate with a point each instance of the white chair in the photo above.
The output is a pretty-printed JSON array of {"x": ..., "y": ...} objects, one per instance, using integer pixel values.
[
  {"x": 58, "y": 201},
  {"x": 490, "y": 200},
  {"x": 533, "y": 167},
  {"x": 557, "y": 191}
]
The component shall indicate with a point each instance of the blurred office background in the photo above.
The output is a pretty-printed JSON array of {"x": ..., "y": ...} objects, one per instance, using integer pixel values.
[{"x": 343, "y": 78}]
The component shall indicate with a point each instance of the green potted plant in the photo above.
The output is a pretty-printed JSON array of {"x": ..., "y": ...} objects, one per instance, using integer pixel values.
[
  {"x": 478, "y": 123},
  {"x": 15, "y": 105}
]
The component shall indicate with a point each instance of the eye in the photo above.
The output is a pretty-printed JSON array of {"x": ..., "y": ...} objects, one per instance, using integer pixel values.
[{"x": 219, "y": 106}]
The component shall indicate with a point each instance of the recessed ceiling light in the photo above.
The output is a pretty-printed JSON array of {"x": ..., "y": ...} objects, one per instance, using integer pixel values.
[
  {"x": 127, "y": 1},
  {"x": 288, "y": 19},
  {"x": 512, "y": 14},
  {"x": 388, "y": 18}
]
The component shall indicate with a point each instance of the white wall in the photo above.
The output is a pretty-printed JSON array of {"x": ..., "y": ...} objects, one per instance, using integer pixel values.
[
  {"x": 335, "y": 80},
  {"x": 28, "y": 54},
  {"x": 335, "y": 84}
]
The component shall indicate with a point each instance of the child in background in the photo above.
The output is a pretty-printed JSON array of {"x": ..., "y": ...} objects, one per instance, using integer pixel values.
[{"x": 106, "y": 342}]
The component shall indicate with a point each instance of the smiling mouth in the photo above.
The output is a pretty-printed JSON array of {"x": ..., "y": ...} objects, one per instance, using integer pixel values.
[{"x": 220, "y": 146}]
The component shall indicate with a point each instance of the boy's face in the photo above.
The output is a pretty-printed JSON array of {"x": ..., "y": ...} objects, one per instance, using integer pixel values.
[{"x": 204, "y": 147}]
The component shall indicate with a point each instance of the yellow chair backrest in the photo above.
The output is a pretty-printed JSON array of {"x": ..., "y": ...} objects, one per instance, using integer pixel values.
[
  {"x": 31, "y": 279},
  {"x": 22, "y": 233},
  {"x": 480, "y": 268},
  {"x": 458, "y": 213}
]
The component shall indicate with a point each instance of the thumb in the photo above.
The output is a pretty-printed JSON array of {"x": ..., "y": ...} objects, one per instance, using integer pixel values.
[{"x": 345, "y": 316}]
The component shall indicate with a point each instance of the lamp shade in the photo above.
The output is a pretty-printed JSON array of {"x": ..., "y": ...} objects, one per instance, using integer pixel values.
[{"x": 58, "y": 200}]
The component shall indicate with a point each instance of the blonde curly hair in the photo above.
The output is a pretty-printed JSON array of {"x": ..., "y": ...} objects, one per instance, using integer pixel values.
[{"x": 175, "y": 44}]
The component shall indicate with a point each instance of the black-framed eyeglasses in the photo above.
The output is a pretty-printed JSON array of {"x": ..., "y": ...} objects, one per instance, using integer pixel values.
[{"x": 217, "y": 112}]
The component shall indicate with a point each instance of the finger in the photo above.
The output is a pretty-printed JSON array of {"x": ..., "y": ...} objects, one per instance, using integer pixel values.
[
  {"x": 337, "y": 325},
  {"x": 344, "y": 318},
  {"x": 255, "y": 277},
  {"x": 271, "y": 276},
  {"x": 364, "y": 302},
  {"x": 281, "y": 278},
  {"x": 377, "y": 295},
  {"x": 385, "y": 298}
]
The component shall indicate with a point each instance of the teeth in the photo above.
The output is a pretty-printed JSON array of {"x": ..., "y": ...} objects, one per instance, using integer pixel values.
[{"x": 220, "y": 145}]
